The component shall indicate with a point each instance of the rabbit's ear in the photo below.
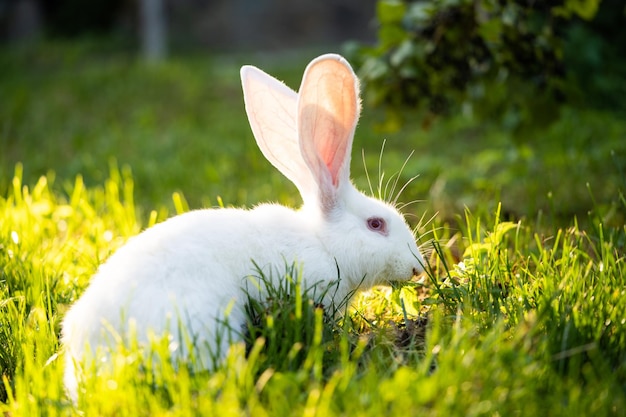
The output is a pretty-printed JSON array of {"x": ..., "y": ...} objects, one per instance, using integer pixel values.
[
  {"x": 271, "y": 108},
  {"x": 328, "y": 111}
]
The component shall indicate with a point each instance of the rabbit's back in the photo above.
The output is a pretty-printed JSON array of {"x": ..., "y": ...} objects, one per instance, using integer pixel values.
[
  {"x": 188, "y": 269},
  {"x": 183, "y": 278}
]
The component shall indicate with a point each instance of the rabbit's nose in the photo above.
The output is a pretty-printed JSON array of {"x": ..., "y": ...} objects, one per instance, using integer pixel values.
[{"x": 417, "y": 271}]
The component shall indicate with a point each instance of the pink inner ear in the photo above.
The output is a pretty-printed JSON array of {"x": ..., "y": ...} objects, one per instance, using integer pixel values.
[
  {"x": 328, "y": 113},
  {"x": 333, "y": 145}
]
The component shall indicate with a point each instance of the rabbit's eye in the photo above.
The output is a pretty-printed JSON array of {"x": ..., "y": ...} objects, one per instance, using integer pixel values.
[{"x": 377, "y": 224}]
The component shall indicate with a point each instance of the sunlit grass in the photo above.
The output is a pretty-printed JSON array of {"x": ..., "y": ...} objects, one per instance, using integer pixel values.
[
  {"x": 522, "y": 311},
  {"x": 524, "y": 324}
]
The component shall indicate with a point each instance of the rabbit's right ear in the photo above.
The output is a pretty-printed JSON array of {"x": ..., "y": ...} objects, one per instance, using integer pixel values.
[
  {"x": 271, "y": 107},
  {"x": 328, "y": 111}
]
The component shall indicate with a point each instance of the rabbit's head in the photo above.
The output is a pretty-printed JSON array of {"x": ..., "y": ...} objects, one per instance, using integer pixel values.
[{"x": 308, "y": 136}]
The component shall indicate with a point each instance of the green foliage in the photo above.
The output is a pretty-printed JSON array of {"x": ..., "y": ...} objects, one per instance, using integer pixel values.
[
  {"x": 72, "y": 108},
  {"x": 525, "y": 324},
  {"x": 181, "y": 127},
  {"x": 49, "y": 247},
  {"x": 522, "y": 312},
  {"x": 445, "y": 56}
]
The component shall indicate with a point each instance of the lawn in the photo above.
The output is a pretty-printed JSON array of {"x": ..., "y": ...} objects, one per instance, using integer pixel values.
[{"x": 523, "y": 311}]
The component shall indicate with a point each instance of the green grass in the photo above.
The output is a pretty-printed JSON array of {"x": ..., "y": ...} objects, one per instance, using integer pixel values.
[
  {"x": 523, "y": 311},
  {"x": 527, "y": 324},
  {"x": 181, "y": 126}
]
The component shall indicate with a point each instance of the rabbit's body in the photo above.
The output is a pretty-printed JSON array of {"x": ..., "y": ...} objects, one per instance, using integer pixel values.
[
  {"x": 185, "y": 276},
  {"x": 179, "y": 272}
]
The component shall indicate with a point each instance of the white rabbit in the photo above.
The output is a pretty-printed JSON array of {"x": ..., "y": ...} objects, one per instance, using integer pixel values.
[{"x": 182, "y": 275}]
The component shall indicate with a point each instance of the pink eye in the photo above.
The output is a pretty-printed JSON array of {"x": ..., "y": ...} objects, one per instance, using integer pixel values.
[{"x": 377, "y": 224}]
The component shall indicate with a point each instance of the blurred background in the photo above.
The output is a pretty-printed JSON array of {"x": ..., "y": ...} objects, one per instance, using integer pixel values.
[
  {"x": 511, "y": 101},
  {"x": 184, "y": 25}
]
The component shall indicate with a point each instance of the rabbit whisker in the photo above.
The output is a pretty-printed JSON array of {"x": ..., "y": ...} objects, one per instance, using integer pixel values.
[
  {"x": 403, "y": 206},
  {"x": 381, "y": 173},
  {"x": 421, "y": 224},
  {"x": 426, "y": 248},
  {"x": 406, "y": 161},
  {"x": 395, "y": 200},
  {"x": 386, "y": 189},
  {"x": 389, "y": 187},
  {"x": 367, "y": 174}
]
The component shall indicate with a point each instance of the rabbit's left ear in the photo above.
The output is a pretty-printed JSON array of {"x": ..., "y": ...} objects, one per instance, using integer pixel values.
[
  {"x": 328, "y": 111},
  {"x": 271, "y": 108}
]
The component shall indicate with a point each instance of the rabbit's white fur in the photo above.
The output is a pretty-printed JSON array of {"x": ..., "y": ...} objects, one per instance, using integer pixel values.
[{"x": 183, "y": 275}]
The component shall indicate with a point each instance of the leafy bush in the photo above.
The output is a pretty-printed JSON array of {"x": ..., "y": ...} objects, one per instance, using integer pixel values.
[{"x": 447, "y": 56}]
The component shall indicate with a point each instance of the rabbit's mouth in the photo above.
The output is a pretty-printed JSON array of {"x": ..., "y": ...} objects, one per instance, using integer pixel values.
[{"x": 400, "y": 282}]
